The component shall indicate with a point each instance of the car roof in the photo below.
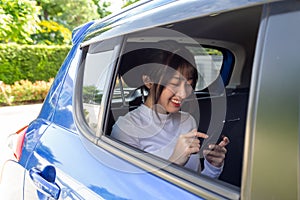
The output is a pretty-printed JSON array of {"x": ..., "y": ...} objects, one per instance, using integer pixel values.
[{"x": 147, "y": 14}]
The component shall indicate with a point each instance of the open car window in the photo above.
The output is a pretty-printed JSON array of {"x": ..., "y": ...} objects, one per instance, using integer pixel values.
[{"x": 129, "y": 92}]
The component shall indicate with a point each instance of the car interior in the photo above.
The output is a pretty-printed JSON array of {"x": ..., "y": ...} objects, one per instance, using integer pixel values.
[{"x": 223, "y": 101}]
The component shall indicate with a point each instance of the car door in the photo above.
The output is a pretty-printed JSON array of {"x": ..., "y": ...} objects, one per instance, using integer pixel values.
[{"x": 68, "y": 165}]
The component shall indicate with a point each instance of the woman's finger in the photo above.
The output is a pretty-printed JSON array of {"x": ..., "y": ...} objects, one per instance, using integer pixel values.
[
  {"x": 201, "y": 135},
  {"x": 195, "y": 134},
  {"x": 218, "y": 148},
  {"x": 215, "y": 153},
  {"x": 224, "y": 142}
]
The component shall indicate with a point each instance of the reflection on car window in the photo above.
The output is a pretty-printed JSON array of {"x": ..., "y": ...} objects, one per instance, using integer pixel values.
[
  {"x": 122, "y": 92},
  {"x": 209, "y": 63},
  {"x": 99, "y": 60}
]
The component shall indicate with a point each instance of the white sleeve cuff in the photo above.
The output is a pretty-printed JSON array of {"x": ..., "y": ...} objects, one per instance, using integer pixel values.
[{"x": 211, "y": 171}]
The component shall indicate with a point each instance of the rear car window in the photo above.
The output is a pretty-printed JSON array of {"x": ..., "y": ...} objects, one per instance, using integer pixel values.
[{"x": 99, "y": 62}]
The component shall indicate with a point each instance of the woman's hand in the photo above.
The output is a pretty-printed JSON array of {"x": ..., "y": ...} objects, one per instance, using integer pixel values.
[
  {"x": 186, "y": 145},
  {"x": 215, "y": 155}
]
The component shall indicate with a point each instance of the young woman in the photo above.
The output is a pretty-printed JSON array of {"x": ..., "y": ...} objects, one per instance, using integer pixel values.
[{"x": 159, "y": 126}]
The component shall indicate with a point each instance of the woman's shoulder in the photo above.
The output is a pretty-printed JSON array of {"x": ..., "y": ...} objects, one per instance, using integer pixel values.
[
  {"x": 184, "y": 116},
  {"x": 136, "y": 116}
]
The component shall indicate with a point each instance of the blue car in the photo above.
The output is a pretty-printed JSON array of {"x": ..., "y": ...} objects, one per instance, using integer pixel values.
[{"x": 246, "y": 54}]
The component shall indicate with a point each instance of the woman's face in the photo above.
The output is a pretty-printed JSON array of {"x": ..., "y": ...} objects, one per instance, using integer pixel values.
[{"x": 173, "y": 94}]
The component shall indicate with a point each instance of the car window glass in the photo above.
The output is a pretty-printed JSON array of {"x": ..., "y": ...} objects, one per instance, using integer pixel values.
[
  {"x": 209, "y": 62},
  {"x": 98, "y": 64},
  {"x": 122, "y": 92}
]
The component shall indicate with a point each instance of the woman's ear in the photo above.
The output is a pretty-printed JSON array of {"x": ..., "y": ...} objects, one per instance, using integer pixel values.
[{"x": 147, "y": 81}]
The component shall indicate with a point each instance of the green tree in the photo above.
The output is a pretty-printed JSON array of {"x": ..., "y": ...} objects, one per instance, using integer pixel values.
[
  {"x": 91, "y": 94},
  {"x": 52, "y": 33},
  {"x": 129, "y": 2},
  {"x": 102, "y": 8},
  {"x": 45, "y": 21},
  {"x": 18, "y": 20},
  {"x": 70, "y": 13}
]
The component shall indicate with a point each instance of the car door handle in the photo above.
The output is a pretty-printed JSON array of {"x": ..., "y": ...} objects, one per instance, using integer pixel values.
[{"x": 45, "y": 181}]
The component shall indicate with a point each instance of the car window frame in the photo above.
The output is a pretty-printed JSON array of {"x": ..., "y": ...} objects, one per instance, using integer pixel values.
[
  {"x": 80, "y": 120},
  {"x": 183, "y": 178},
  {"x": 186, "y": 179}
]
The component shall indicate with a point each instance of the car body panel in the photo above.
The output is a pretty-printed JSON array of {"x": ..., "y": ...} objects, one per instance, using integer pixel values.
[
  {"x": 90, "y": 169},
  {"x": 274, "y": 125}
]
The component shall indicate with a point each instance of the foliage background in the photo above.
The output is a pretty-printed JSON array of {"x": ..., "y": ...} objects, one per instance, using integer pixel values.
[
  {"x": 35, "y": 37},
  {"x": 31, "y": 62},
  {"x": 32, "y": 21},
  {"x": 18, "y": 20}
]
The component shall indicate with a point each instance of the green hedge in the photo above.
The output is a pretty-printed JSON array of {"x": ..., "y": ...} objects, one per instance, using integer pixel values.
[
  {"x": 30, "y": 62},
  {"x": 24, "y": 92}
]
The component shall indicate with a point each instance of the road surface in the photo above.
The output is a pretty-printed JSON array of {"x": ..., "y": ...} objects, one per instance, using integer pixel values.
[{"x": 13, "y": 118}]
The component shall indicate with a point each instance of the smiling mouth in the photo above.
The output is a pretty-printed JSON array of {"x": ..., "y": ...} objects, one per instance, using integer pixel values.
[{"x": 175, "y": 102}]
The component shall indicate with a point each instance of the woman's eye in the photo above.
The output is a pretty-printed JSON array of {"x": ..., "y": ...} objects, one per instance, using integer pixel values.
[
  {"x": 187, "y": 84},
  {"x": 174, "y": 83}
]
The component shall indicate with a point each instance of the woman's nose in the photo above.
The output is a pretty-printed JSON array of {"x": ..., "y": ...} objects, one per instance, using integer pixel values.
[{"x": 182, "y": 92}]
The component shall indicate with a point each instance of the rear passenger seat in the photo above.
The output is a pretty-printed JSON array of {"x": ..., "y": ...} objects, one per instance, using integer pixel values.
[
  {"x": 237, "y": 104},
  {"x": 234, "y": 129}
]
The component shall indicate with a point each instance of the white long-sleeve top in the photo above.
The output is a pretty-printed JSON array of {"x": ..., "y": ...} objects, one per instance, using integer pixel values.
[{"x": 157, "y": 133}]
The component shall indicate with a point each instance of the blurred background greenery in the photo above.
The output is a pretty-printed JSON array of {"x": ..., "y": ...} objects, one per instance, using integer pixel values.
[
  {"x": 35, "y": 37},
  {"x": 49, "y": 21}
]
